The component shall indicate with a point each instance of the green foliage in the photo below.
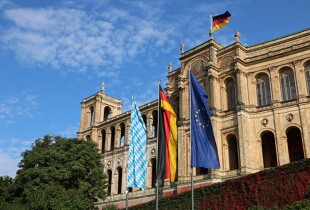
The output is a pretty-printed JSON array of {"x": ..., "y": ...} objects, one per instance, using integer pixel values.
[
  {"x": 6, "y": 184},
  {"x": 60, "y": 173},
  {"x": 110, "y": 207},
  {"x": 256, "y": 207},
  {"x": 304, "y": 204}
]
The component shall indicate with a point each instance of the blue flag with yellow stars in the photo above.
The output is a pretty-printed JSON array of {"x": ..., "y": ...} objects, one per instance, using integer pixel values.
[{"x": 203, "y": 146}]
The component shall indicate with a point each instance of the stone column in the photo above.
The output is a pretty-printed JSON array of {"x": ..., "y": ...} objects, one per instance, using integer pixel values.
[
  {"x": 223, "y": 94},
  {"x": 300, "y": 79},
  {"x": 83, "y": 116},
  {"x": 97, "y": 110},
  {"x": 117, "y": 136},
  {"x": 305, "y": 132},
  {"x": 149, "y": 119},
  {"x": 302, "y": 92},
  {"x": 260, "y": 159},
  {"x": 240, "y": 87},
  {"x": 216, "y": 90},
  {"x": 115, "y": 183},
  {"x": 211, "y": 93},
  {"x": 225, "y": 162},
  {"x": 108, "y": 139},
  {"x": 149, "y": 175},
  {"x": 275, "y": 85},
  {"x": 242, "y": 143},
  {"x": 183, "y": 155},
  {"x": 94, "y": 135},
  {"x": 127, "y": 130}
]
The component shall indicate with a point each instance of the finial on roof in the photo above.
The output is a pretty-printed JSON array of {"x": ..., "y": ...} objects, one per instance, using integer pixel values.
[
  {"x": 211, "y": 35},
  {"x": 102, "y": 87},
  {"x": 170, "y": 67},
  {"x": 237, "y": 36},
  {"x": 182, "y": 47}
]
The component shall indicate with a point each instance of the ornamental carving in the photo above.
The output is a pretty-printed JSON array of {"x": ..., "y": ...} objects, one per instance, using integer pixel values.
[
  {"x": 226, "y": 61},
  {"x": 290, "y": 117},
  {"x": 198, "y": 66},
  {"x": 264, "y": 122},
  {"x": 153, "y": 151}
]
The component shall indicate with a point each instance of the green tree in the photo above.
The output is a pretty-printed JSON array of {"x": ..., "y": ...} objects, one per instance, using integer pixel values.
[
  {"x": 6, "y": 185},
  {"x": 60, "y": 173}
]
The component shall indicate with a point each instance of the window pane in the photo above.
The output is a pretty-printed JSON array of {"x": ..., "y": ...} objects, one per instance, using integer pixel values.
[
  {"x": 263, "y": 90},
  {"x": 288, "y": 84},
  {"x": 308, "y": 77},
  {"x": 231, "y": 95}
]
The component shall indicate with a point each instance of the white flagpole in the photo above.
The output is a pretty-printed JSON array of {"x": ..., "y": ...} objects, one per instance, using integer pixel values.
[
  {"x": 190, "y": 134},
  {"x": 211, "y": 23},
  {"x": 157, "y": 187},
  {"x": 127, "y": 199}
]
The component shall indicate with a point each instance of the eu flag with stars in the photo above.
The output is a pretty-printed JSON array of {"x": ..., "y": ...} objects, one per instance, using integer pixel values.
[{"x": 203, "y": 146}]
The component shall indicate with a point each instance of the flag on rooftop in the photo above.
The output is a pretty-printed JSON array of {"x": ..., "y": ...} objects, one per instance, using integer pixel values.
[
  {"x": 167, "y": 139},
  {"x": 137, "y": 164},
  {"x": 203, "y": 146},
  {"x": 220, "y": 21}
]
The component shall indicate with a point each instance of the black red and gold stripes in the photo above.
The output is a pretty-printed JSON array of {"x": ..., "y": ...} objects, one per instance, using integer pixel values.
[
  {"x": 220, "y": 20},
  {"x": 167, "y": 139}
]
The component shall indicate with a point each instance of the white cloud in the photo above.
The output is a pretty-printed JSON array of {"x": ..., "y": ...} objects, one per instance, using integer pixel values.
[
  {"x": 10, "y": 155},
  {"x": 11, "y": 107},
  {"x": 5, "y": 3},
  {"x": 69, "y": 131},
  {"x": 79, "y": 39},
  {"x": 95, "y": 34},
  {"x": 8, "y": 164}
]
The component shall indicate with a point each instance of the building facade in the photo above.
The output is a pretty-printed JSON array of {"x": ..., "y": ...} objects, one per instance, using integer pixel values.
[{"x": 259, "y": 97}]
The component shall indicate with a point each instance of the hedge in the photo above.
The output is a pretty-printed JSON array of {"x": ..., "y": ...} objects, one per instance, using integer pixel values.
[{"x": 276, "y": 187}]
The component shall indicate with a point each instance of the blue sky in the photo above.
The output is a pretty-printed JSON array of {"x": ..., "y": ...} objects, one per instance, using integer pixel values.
[{"x": 55, "y": 53}]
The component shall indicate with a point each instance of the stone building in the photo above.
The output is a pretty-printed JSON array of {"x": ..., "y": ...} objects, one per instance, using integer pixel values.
[{"x": 259, "y": 97}]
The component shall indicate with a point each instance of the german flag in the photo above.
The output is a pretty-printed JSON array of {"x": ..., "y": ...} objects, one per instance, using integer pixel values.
[
  {"x": 220, "y": 21},
  {"x": 167, "y": 139}
]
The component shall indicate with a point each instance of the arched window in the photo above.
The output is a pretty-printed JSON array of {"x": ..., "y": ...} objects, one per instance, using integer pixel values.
[
  {"x": 176, "y": 107},
  {"x": 287, "y": 84},
  {"x": 107, "y": 113},
  {"x": 263, "y": 90},
  {"x": 92, "y": 115},
  {"x": 269, "y": 150},
  {"x": 120, "y": 176},
  {"x": 154, "y": 125},
  {"x": 109, "y": 172},
  {"x": 103, "y": 141},
  {"x": 88, "y": 137},
  {"x": 231, "y": 93},
  {"x": 153, "y": 161},
  {"x": 307, "y": 71},
  {"x": 112, "y": 138},
  {"x": 122, "y": 139},
  {"x": 144, "y": 120},
  {"x": 294, "y": 143},
  {"x": 233, "y": 152},
  {"x": 201, "y": 171}
]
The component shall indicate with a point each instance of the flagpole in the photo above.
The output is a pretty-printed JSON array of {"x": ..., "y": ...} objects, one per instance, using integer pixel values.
[
  {"x": 127, "y": 199},
  {"x": 157, "y": 187},
  {"x": 192, "y": 188},
  {"x": 211, "y": 23},
  {"x": 190, "y": 134},
  {"x": 132, "y": 95}
]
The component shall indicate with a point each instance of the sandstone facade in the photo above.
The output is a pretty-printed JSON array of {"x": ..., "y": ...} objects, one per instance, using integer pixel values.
[{"x": 259, "y": 97}]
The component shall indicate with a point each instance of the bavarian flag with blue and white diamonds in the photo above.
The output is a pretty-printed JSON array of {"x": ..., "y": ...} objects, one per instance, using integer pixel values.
[{"x": 137, "y": 164}]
